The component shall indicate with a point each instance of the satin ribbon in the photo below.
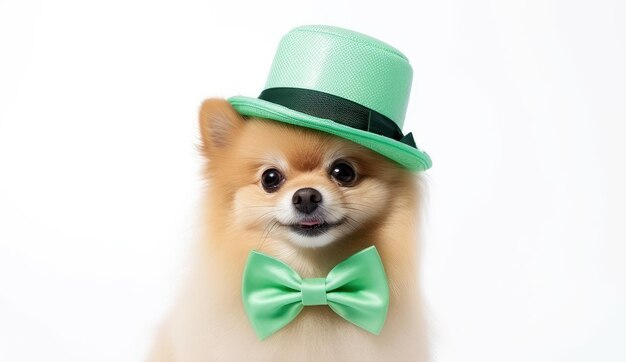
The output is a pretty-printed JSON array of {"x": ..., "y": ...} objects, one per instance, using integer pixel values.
[
  {"x": 337, "y": 109},
  {"x": 274, "y": 294}
]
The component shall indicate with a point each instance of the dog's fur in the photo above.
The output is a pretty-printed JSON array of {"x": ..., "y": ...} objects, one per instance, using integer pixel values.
[{"x": 208, "y": 321}]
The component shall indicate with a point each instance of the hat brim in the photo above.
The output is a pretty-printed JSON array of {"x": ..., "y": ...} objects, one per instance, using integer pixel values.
[{"x": 407, "y": 156}]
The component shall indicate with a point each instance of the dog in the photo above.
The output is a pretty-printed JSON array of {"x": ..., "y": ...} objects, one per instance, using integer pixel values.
[{"x": 309, "y": 199}]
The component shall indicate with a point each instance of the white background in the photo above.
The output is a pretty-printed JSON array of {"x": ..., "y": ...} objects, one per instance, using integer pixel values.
[{"x": 521, "y": 104}]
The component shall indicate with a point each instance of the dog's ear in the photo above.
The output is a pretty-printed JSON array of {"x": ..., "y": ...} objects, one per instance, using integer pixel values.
[{"x": 219, "y": 122}]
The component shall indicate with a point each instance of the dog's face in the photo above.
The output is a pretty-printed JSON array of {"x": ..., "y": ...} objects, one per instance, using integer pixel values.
[{"x": 294, "y": 185}]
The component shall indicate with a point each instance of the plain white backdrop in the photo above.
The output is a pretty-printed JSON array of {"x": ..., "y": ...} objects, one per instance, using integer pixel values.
[{"x": 521, "y": 104}]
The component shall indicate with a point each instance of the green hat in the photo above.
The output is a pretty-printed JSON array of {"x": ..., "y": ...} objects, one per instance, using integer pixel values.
[{"x": 343, "y": 83}]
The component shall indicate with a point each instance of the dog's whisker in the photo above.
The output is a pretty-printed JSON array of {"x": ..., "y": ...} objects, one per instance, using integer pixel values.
[
  {"x": 262, "y": 238},
  {"x": 353, "y": 224},
  {"x": 267, "y": 232},
  {"x": 268, "y": 214}
]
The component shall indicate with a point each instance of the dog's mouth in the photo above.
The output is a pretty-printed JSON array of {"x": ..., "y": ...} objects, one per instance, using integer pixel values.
[{"x": 312, "y": 227}]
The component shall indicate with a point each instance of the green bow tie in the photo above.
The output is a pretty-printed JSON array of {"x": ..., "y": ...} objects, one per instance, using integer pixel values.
[{"x": 356, "y": 289}]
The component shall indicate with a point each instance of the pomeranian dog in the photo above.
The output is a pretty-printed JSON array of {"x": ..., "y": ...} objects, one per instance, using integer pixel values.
[{"x": 311, "y": 200}]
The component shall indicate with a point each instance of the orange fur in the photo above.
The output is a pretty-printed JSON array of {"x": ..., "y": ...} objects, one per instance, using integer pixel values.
[{"x": 208, "y": 321}]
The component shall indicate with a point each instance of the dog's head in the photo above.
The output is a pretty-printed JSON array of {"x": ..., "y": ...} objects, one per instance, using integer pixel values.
[{"x": 291, "y": 184}]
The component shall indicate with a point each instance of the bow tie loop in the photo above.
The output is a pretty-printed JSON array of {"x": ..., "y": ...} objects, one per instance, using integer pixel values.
[{"x": 274, "y": 294}]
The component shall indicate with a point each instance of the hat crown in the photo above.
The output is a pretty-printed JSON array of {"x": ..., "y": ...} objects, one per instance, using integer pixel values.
[{"x": 346, "y": 64}]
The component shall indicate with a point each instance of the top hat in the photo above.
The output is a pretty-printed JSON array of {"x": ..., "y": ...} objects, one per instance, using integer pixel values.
[{"x": 344, "y": 83}]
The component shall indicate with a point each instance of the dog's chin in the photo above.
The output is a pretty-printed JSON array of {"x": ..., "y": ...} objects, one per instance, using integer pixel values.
[
  {"x": 318, "y": 237},
  {"x": 304, "y": 241}
]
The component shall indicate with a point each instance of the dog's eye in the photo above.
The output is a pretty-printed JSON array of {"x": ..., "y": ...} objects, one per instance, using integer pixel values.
[
  {"x": 343, "y": 173},
  {"x": 271, "y": 180}
]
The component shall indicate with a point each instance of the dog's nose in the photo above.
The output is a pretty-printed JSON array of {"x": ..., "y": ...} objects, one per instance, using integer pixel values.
[{"x": 306, "y": 200}]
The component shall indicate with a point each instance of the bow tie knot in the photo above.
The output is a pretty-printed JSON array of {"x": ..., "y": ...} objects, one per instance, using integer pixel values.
[
  {"x": 313, "y": 291},
  {"x": 356, "y": 289}
]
